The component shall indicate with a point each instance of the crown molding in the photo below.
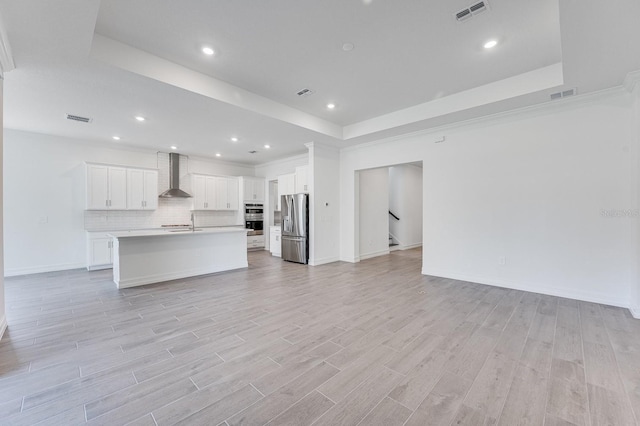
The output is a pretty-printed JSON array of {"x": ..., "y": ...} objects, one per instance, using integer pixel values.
[
  {"x": 6, "y": 57},
  {"x": 631, "y": 80},
  {"x": 435, "y": 134}
]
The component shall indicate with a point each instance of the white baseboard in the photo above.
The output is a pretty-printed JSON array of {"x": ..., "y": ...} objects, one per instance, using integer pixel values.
[
  {"x": 3, "y": 325},
  {"x": 12, "y": 272},
  {"x": 635, "y": 311},
  {"x": 323, "y": 261},
  {"x": 410, "y": 246},
  {"x": 158, "y": 278},
  {"x": 533, "y": 288},
  {"x": 374, "y": 254}
]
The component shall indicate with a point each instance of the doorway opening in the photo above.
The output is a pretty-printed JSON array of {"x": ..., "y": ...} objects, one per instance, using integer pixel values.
[{"x": 389, "y": 209}]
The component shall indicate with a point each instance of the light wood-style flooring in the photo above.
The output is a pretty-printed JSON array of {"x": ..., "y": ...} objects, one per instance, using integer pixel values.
[{"x": 373, "y": 343}]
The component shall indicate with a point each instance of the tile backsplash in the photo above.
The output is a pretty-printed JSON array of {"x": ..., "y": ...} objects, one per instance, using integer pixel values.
[{"x": 169, "y": 212}]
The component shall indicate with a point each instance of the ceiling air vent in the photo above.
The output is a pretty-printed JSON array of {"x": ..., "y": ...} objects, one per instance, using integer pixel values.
[
  {"x": 564, "y": 94},
  {"x": 471, "y": 11},
  {"x": 304, "y": 92},
  {"x": 478, "y": 7},
  {"x": 79, "y": 118}
]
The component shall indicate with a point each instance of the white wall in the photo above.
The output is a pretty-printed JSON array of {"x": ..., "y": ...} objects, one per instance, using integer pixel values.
[
  {"x": 374, "y": 212},
  {"x": 271, "y": 171},
  {"x": 44, "y": 197},
  {"x": 405, "y": 201},
  {"x": 3, "y": 317},
  {"x": 528, "y": 186},
  {"x": 635, "y": 280},
  {"x": 324, "y": 204}
]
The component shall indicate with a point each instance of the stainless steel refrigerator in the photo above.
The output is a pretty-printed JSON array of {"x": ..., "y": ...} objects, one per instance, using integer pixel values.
[{"x": 295, "y": 227}]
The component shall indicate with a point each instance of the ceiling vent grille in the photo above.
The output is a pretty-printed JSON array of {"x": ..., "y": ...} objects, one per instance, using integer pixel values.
[
  {"x": 564, "y": 94},
  {"x": 471, "y": 11},
  {"x": 79, "y": 118},
  {"x": 304, "y": 92}
]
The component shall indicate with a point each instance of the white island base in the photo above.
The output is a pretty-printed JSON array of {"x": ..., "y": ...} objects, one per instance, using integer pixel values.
[{"x": 146, "y": 257}]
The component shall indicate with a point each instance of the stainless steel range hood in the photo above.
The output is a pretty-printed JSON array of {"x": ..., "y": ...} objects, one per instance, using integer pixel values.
[{"x": 174, "y": 190}]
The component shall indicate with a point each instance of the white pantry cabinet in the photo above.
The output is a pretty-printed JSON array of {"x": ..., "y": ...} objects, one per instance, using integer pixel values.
[
  {"x": 302, "y": 179},
  {"x": 142, "y": 189},
  {"x": 214, "y": 192},
  {"x": 106, "y": 187},
  {"x": 252, "y": 189},
  {"x": 99, "y": 251}
]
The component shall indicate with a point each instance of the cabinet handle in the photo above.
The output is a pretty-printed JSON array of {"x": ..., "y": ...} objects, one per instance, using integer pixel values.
[{"x": 106, "y": 203}]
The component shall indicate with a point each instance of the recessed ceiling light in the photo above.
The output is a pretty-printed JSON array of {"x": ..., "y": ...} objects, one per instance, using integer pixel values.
[
  {"x": 218, "y": 154},
  {"x": 331, "y": 106},
  {"x": 174, "y": 147},
  {"x": 234, "y": 139},
  {"x": 116, "y": 138},
  {"x": 140, "y": 118},
  {"x": 267, "y": 146},
  {"x": 490, "y": 44},
  {"x": 208, "y": 51},
  {"x": 347, "y": 47}
]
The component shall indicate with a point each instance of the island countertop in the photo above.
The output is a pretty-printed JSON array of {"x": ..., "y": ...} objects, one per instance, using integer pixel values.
[
  {"x": 175, "y": 232},
  {"x": 151, "y": 256}
]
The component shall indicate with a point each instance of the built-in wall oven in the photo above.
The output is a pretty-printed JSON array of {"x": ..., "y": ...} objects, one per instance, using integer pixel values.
[{"x": 254, "y": 218}]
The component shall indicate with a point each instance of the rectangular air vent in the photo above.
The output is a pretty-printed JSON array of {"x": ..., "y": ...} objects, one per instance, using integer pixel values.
[
  {"x": 463, "y": 15},
  {"x": 564, "y": 94},
  {"x": 304, "y": 92},
  {"x": 478, "y": 7},
  {"x": 79, "y": 118},
  {"x": 471, "y": 11}
]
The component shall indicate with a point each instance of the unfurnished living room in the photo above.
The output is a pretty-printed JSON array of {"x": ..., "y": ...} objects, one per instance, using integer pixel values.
[{"x": 338, "y": 212}]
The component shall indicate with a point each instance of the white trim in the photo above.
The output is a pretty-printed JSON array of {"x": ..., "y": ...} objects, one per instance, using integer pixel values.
[
  {"x": 324, "y": 261},
  {"x": 635, "y": 311},
  {"x": 438, "y": 132},
  {"x": 410, "y": 246},
  {"x": 350, "y": 259},
  {"x": 6, "y": 56},
  {"x": 41, "y": 269},
  {"x": 604, "y": 299},
  {"x": 631, "y": 80},
  {"x": 3, "y": 325},
  {"x": 374, "y": 254},
  {"x": 283, "y": 160},
  {"x": 99, "y": 267},
  {"x": 157, "y": 278}
]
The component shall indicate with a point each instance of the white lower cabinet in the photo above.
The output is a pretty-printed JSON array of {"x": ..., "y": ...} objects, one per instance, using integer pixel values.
[
  {"x": 275, "y": 242},
  {"x": 255, "y": 241},
  {"x": 99, "y": 251}
]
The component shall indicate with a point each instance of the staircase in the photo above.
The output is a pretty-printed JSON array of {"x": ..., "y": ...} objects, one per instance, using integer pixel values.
[{"x": 393, "y": 245}]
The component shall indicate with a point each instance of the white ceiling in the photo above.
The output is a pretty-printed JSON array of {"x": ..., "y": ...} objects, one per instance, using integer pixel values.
[{"x": 413, "y": 67}]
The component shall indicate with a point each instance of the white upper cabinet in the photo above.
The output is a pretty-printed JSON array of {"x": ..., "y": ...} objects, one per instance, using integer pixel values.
[
  {"x": 286, "y": 186},
  {"x": 302, "y": 179},
  {"x": 214, "y": 193},
  {"x": 106, "y": 187},
  {"x": 252, "y": 189},
  {"x": 233, "y": 193},
  {"x": 142, "y": 189}
]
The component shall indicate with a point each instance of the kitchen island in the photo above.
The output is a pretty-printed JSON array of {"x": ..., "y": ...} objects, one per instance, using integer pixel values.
[{"x": 151, "y": 256}]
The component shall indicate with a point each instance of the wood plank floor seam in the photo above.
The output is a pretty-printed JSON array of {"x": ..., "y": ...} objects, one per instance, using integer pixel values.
[{"x": 370, "y": 343}]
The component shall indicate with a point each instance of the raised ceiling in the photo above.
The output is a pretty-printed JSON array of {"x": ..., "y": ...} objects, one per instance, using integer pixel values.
[{"x": 413, "y": 66}]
